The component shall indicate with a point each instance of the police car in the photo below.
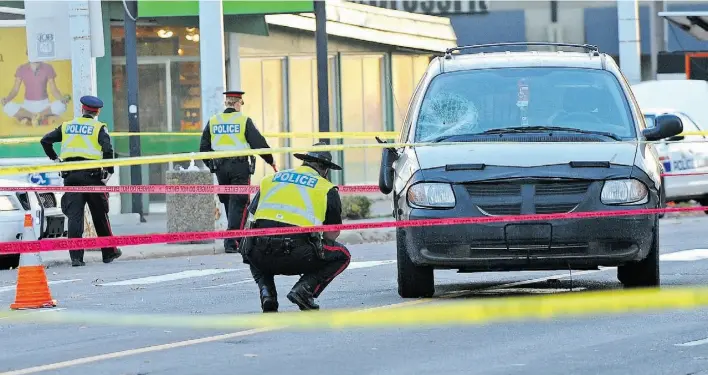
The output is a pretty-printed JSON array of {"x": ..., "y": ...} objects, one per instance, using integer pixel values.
[
  {"x": 45, "y": 208},
  {"x": 537, "y": 132},
  {"x": 682, "y": 155}
]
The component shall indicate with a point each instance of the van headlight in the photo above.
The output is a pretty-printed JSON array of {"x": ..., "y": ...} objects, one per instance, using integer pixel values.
[
  {"x": 6, "y": 204},
  {"x": 627, "y": 191},
  {"x": 431, "y": 195}
]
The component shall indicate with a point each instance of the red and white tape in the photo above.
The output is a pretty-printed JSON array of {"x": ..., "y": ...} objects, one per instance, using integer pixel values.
[
  {"x": 172, "y": 189},
  {"x": 145, "y": 239}
]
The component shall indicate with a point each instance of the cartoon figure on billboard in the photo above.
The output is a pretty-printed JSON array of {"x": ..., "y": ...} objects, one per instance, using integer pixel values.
[{"x": 36, "y": 109}]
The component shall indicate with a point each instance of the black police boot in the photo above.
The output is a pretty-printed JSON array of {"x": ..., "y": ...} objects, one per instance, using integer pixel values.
[
  {"x": 113, "y": 256},
  {"x": 77, "y": 263},
  {"x": 301, "y": 295},
  {"x": 269, "y": 301}
]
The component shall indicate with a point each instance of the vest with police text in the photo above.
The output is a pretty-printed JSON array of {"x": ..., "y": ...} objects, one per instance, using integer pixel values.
[
  {"x": 294, "y": 196},
  {"x": 228, "y": 132},
  {"x": 79, "y": 138}
]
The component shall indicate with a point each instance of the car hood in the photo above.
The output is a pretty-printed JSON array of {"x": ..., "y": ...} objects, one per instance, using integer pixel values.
[{"x": 525, "y": 154}]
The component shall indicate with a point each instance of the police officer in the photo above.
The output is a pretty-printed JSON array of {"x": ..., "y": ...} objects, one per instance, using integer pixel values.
[
  {"x": 298, "y": 197},
  {"x": 232, "y": 131},
  {"x": 84, "y": 138}
]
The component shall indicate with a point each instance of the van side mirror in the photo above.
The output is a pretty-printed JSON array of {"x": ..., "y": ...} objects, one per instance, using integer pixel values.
[
  {"x": 388, "y": 157},
  {"x": 666, "y": 126}
]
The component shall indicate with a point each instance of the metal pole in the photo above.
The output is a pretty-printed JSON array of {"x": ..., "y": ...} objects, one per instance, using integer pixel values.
[
  {"x": 322, "y": 77},
  {"x": 131, "y": 72}
]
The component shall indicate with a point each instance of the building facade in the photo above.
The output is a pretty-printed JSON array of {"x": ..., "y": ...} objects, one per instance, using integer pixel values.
[{"x": 373, "y": 70}]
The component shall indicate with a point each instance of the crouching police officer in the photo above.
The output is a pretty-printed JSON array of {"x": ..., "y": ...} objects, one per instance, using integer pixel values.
[
  {"x": 298, "y": 197},
  {"x": 233, "y": 131},
  {"x": 84, "y": 138}
]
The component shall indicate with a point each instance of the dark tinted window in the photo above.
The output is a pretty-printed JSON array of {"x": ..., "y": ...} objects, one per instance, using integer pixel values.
[{"x": 473, "y": 101}]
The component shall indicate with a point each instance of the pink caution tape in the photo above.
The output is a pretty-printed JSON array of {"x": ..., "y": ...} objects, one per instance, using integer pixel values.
[
  {"x": 131, "y": 240},
  {"x": 172, "y": 189}
]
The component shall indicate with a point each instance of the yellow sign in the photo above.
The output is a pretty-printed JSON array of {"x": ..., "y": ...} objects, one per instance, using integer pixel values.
[{"x": 35, "y": 97}]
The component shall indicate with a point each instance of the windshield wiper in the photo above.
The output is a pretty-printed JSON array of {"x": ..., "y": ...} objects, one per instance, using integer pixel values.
[
  {"x": 526, "y": 129},
  {"x": 446, "y": 137}
]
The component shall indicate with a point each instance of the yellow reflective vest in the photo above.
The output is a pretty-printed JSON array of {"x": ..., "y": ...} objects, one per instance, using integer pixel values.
[
  {"x": 294, "y": 196},
  {"x": 79, "y": 138},
  {"x": 228, "y": 132}
]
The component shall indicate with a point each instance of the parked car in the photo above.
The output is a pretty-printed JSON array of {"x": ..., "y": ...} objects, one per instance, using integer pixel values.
[
  {"x": 683, "y": 155},
  {"x": 525, "y": 107},
  {"x": 45, "y": 208}
]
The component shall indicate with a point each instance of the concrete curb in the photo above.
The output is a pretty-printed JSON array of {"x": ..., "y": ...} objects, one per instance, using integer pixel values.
[{"x": 179, "y": 250}]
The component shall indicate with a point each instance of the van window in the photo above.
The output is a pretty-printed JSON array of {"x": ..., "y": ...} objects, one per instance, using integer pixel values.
[{"x": 470, "y": 102}]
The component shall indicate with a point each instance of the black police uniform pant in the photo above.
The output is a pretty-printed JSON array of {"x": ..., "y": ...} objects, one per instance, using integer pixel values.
[
  {"x": 73, "y": 204},
  {"x": 316, "y": 273},
  {"x": 233, "y": 172}
]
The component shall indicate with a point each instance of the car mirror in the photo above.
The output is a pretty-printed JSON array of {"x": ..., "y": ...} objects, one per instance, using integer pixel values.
[
  {"x": 388, "y": 157},
  {"x": 666, "y": 126}
]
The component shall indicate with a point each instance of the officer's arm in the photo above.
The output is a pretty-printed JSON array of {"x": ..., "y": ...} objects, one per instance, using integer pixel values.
[
  {"x": 105, "y": 141},
  {"x": 256, "y": 140},
  {"x": 48, "y": 140},
  {"x": 333, "y": 215},
  {"x": 205, "y": 144},
  {"x": 254, "y": 204}
]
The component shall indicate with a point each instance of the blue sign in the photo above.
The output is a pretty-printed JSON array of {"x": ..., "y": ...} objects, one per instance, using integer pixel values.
[
  {"x": 79, "y": 129},
  {"x": 226, "y": 128},
  {"x": 42, "y": 179}
]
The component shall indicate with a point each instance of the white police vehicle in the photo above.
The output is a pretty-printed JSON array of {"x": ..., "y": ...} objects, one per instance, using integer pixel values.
[{"x": 682, "y": 155}]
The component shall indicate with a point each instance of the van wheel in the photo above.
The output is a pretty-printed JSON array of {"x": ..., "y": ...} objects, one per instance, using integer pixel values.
[
  {"x": 413, "y": 281},
  {"x": 644, "y": 273}
]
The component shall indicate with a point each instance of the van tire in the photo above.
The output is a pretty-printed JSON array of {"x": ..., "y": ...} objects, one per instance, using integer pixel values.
[
  {"x": 413, "y": 281},
  {"x": 644, "y": 273}
]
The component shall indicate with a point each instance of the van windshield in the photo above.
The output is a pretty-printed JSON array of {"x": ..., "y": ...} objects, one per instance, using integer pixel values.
[{"x": 474, "y": 101}]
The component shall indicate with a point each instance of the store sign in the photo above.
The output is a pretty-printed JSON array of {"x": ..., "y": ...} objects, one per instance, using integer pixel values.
[
  {"x": 177, "y": 8},
  {"x": 435, "y": 8}
]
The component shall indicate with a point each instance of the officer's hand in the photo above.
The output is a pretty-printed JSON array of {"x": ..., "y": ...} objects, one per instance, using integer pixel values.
[{"x": 106, "y": 177}]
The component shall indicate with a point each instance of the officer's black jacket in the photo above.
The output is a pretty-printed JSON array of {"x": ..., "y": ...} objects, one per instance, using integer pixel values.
[
  {"x": 55, "y": 136},
  {"x": 333, "y": 215},
  {"x": 253, "y": 137}
]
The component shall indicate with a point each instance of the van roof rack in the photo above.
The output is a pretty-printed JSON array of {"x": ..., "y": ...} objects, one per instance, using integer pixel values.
[{"x": 588, "y": 47}]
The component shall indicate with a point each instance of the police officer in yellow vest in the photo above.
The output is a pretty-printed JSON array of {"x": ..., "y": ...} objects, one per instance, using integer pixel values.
[
  {"x": 84, "y": 138},
  {"x": 301, "y": 197},
  {"x": 232, "y": 131}
]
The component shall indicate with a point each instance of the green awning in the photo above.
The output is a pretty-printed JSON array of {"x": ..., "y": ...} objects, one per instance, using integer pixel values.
[{"x": 180, "y": 8}]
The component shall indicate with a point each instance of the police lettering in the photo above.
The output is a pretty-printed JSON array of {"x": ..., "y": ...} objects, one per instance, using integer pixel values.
[
  {"x": 226, "y": 128},
  {"x": 79, "y": 129},
  {"x": 295, "y": 178}
]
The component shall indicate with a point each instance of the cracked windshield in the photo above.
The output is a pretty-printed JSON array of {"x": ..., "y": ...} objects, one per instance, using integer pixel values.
[{"x": 472, "y": 102}]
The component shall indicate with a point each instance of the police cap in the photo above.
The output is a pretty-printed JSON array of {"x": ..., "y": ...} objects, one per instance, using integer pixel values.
[
  {"x": 91, "y": 103},
  {"x": 234, "y": 94},
  {"x": 321, "y": 157}
]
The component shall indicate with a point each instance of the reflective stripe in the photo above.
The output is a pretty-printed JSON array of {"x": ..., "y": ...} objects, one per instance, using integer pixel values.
[
  {"x": 309, "y": 215},
  {"x": 233, "y": 139}
]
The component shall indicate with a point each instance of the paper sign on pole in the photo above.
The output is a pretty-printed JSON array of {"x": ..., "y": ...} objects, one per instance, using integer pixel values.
[{"x": 48, "y": 32}]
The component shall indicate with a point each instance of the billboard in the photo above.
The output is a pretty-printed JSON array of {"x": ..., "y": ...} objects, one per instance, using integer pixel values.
[
  {"x": 35, "y": 97},
  {"x": 433, "y": 8}
]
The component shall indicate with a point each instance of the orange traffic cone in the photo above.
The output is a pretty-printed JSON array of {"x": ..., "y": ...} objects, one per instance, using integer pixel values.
[{"x": 32, "y": 286}]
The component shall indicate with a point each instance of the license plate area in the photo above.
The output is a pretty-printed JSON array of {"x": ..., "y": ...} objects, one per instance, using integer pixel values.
[{"x": 528, "y": 236}]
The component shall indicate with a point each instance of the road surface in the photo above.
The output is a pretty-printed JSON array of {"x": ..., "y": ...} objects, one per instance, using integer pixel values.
[{"x": 672, "y": 342}]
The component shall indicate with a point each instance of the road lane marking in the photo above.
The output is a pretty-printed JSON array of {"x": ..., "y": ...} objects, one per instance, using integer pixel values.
[
  {"x": 13, "y": 287},
  {"x": 685, "y": 255},
  {"x": 227, "y": 284},
  {"x": 179, "y": 344},
  {"x": 694, "y": 343},
  {"x": 39, "y": 311},
  {"x": 172, "y": 277}
]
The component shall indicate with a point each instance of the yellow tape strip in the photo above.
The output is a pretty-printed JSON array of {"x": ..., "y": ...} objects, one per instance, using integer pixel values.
[
  {"x": 331, "y": 135},
  {"x": 463, "y": 312},
  {"x": 120, "y": 162}
]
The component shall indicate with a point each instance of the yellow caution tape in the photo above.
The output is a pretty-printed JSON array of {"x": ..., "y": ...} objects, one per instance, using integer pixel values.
[
  {"x": 465, "y": 312},
  {"x": 120, "y": 162},
  {"x": 331, "y": 135}
]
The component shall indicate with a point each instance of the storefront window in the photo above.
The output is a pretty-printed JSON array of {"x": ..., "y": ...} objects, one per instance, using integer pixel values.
[
  {"x": 362, "y": 110},
  {"x": 406, "y": 71},
  {"x": 158, "y": 41}
]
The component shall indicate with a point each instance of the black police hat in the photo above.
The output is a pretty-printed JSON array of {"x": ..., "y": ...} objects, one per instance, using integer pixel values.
[
  {"x": 321, "y": 157},
  {"x": 91, "y": 103},
  {"x": 234, "y": 94}
]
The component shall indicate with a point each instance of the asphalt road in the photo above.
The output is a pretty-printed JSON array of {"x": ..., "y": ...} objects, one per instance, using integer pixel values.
[{"x": 659, "y": 343}]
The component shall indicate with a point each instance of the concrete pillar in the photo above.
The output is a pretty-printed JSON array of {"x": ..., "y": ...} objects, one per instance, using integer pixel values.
[
  {"x": 83, "y": 66},
  {"x": 212, "y": 69},
  {"x": 658, "y": 42},
  {"x": 234, "y": 63},
  {"x": 629, "y": 40}
]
